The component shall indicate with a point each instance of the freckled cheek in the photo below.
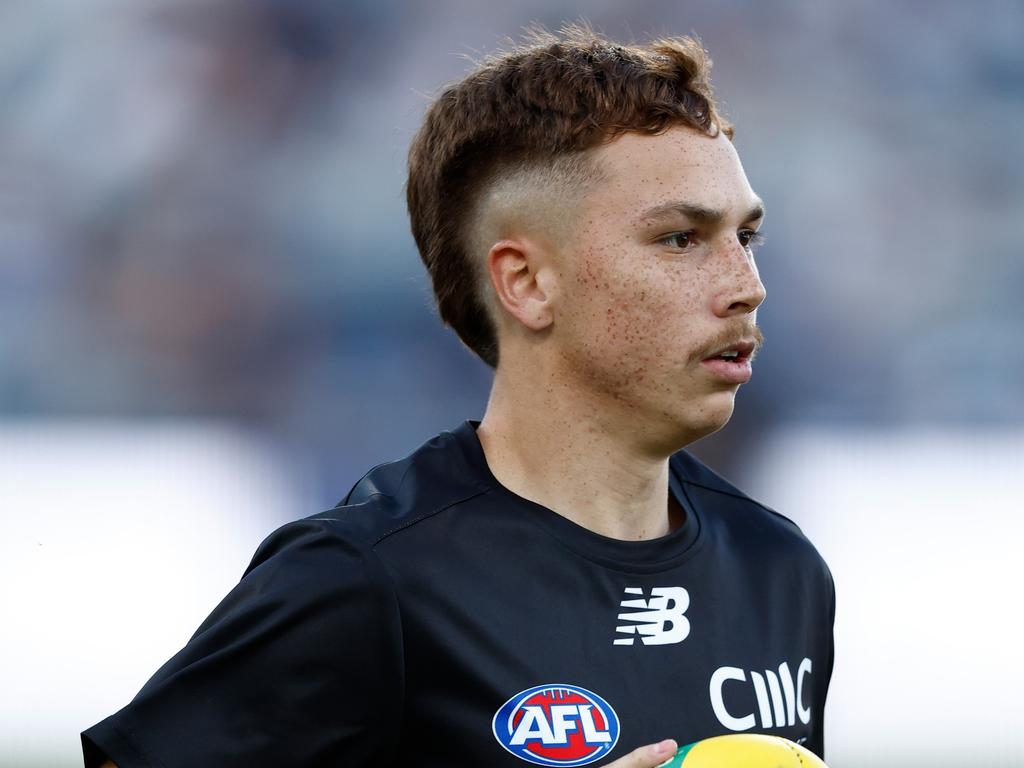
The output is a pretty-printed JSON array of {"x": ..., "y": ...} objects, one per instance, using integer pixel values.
[
  {"x": 591, "y": 273},
  {"x": 590, "y": 287},
  {"x": 623, "y": 308},
  {"x": 628, "y": 320}
]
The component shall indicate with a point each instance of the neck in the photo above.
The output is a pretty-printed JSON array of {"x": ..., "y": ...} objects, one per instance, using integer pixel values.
[{"x": 546, "y": 442}]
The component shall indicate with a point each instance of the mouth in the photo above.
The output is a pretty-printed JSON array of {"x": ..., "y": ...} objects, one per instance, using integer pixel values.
[
  {"x": 732, "y": 363},
  {"x": 739, "y": 352}
]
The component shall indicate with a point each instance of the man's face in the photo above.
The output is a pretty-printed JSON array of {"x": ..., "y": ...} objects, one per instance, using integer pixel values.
[{"x": 657, "y": 279}]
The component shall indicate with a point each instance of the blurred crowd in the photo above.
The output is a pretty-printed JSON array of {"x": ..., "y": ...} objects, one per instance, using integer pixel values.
[{"x": 202, "y": 212}]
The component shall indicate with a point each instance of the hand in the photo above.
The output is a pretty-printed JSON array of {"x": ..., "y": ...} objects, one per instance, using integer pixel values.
[{"x": 647, "y": 757}]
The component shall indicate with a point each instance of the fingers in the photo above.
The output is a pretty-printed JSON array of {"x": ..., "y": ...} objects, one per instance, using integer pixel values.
[{"x": 647, "y": 757}]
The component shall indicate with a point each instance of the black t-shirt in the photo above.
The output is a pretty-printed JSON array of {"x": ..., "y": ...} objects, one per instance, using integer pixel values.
[{"x": 436, "y": 619}]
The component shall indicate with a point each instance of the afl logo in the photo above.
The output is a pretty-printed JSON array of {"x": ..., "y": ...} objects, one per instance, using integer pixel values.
[{"x": 557, "y": 725}]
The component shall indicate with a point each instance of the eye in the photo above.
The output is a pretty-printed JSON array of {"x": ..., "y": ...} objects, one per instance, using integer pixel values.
[
  {"x": 679, "y": 240},
  {"x": 749, "y": 238}
]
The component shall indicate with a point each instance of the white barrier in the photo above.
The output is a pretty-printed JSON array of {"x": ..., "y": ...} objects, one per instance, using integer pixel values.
[
  {"x": 117, "y": 541},
  {"x": 921, "y": 530}
]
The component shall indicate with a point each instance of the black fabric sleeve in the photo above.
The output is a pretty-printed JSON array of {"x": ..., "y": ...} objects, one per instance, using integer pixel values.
[
  {"x": 300, "y": 665},
  {"x": 830, "y": 665}
]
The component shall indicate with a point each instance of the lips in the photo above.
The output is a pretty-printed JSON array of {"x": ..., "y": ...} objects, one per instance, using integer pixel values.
[{"x": 732, "y": 363}]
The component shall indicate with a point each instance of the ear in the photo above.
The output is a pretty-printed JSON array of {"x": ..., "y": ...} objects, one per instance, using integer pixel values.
[{"x": 521, "y": 278}]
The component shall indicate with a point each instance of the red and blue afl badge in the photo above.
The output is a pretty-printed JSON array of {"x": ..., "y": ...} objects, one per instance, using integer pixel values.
[{"x": 557, "y": 724}]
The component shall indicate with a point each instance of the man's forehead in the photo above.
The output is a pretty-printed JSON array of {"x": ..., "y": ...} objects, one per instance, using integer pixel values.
[
  {"x": 687, "y": 146},
  {"x": 680, "y": 171}
]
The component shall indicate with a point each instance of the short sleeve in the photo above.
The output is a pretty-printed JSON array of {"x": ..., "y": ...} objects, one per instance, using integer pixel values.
[{"x": 299, "y": 665}]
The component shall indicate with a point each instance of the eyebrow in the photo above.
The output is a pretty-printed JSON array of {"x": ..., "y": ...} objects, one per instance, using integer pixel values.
[{"x": 698, "y": 212}]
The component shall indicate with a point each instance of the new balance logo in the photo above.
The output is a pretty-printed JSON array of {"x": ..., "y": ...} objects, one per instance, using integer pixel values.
[{"x": 658, "y": 620}]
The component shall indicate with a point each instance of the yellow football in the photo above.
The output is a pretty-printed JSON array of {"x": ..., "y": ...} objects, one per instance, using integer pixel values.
[{"x": 744, "y": 750}]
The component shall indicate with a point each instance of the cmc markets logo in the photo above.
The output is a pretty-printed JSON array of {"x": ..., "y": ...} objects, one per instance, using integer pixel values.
[
  {"x": 779, "y": 698},
  {"x": 557, "y": 724}
]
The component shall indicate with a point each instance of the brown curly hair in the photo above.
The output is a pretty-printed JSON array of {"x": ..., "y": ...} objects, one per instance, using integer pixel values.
[{"x": 544, "y": 101}]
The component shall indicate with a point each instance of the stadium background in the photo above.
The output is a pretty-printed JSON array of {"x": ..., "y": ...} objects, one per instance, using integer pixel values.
[{"x": 213, "y": 319}]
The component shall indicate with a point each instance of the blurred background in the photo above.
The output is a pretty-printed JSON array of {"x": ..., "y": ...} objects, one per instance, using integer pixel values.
[{"x": 213, "y": 320}]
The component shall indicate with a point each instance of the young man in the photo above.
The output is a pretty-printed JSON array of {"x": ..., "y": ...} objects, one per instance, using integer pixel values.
[{"x": 559, "y": 584}]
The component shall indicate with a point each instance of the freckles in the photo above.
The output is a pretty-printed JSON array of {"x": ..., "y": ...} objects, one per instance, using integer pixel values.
[
  {"x": 612, "y": 324},
  {"x": 585, "y": 275},
  {"x": 588, "y": 274}
]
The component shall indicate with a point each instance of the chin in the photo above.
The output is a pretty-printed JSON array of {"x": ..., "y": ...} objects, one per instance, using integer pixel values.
[{"x": 705, "y": 419}]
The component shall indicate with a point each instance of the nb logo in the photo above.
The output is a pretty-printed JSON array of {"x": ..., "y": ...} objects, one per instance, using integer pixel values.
[{"x": 658, "y": 620}]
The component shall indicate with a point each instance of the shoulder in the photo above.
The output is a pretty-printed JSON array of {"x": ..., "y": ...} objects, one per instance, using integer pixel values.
[
  {"x": 332, "y": 553},
  {"x": 442, "y": 460},
  {"x": 396, "y": 495},
  {"x": 745, "y": 521},
  {"x": 691, "y": 471}
]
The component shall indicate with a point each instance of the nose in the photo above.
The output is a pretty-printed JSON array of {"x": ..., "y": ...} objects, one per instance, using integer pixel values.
[{"x": 740, "y": 290}]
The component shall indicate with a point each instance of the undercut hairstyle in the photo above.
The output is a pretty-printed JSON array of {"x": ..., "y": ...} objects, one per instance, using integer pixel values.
[{"x": 533, "y": 112}]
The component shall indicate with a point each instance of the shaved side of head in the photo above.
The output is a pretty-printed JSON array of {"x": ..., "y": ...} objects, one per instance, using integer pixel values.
[{"x": 540, "y": 201}]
